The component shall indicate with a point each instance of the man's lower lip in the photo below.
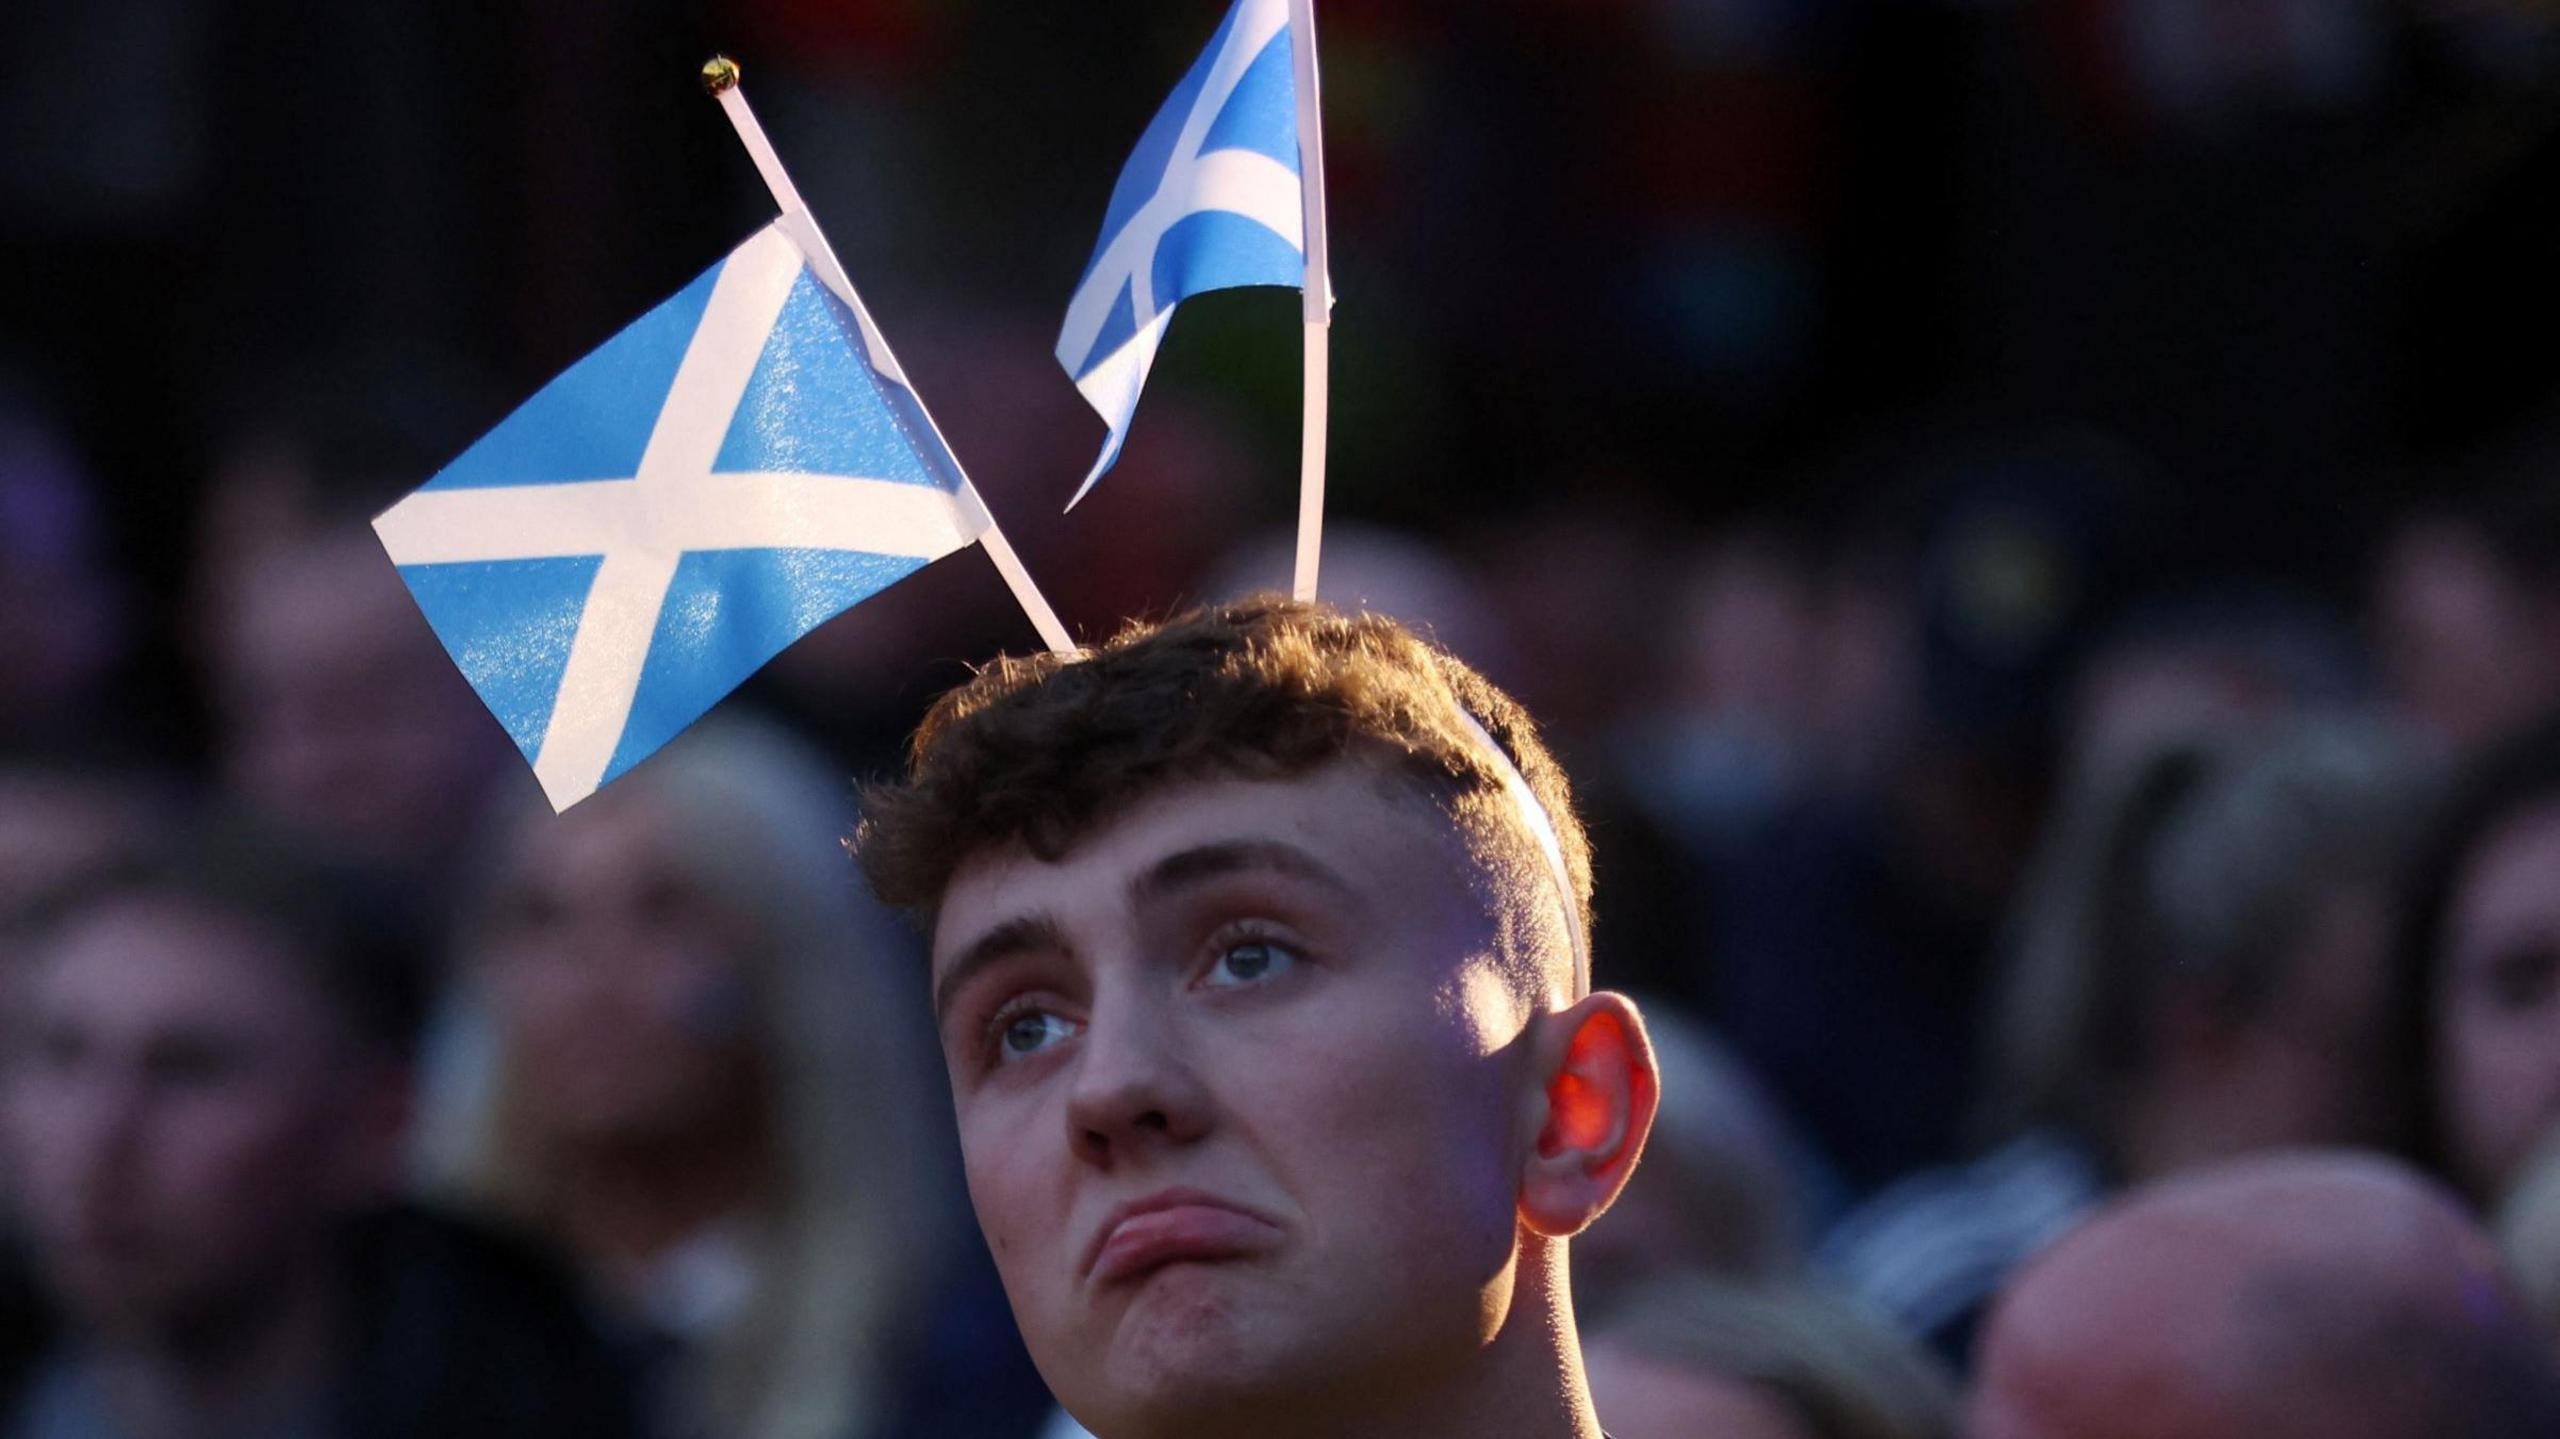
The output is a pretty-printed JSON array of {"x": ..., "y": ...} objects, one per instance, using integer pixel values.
[{"x": 1188, "y": 1232}]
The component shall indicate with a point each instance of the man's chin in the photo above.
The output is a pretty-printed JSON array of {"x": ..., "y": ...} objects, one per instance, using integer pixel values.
[{"x": 1192, "y": 1345}]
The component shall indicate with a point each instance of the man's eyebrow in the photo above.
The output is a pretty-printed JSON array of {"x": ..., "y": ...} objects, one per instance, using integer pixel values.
[
  {"x": 1023, "y": 934},
  {"x": 1202, "y": 863}
]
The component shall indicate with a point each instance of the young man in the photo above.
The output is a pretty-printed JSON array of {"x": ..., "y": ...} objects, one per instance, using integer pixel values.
[{"x": 1260, "y": 971}]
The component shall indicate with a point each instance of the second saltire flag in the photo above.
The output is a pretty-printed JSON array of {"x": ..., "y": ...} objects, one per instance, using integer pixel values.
[{"x": 1209, "y": 200}]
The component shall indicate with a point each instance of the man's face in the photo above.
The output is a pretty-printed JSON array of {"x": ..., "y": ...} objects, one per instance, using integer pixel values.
[
  {"x": 1266, "y": 1015},
  {"x": 176, "y": 1113}
]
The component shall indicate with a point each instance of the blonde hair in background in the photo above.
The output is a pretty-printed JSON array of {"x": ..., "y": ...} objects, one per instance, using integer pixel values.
[
  {"x": 2202, "y": 855},
  {"x": 860, "y": 1211}
]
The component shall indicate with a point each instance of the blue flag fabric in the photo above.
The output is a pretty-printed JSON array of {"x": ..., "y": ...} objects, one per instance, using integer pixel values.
[
  {"x": 1208, "y": 201},
  {"x": 737, "y": 466}
]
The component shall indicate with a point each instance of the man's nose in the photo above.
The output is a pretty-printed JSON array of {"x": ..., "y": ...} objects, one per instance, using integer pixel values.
[{"x": 1134, "y": 1088}]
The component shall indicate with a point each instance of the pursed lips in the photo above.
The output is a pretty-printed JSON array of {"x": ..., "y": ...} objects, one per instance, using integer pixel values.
[{"x": 1173, "y": 1226}]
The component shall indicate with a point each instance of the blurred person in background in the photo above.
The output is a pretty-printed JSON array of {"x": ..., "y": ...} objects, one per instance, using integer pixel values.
[
  {"x": 341, "y": 717},
  {"x": 2476, "y": 973},
  {"x": 203, "y": 1114},
  {"x": 2226, "y": 655},
  {"x": 1852, "y": 754},
  {"x": 2196, "y": 972},
  {"x": 1698, "y": 1358},
  {"x": 338, "y": 714},
  {"x": 703, "y": 1079},
  {"x": 1574, "y": 576},
  {"x": 2466, "y": 609},
  {"x": 1773, "y": 899},
  {"x": 1735, "y": 737},
  {"x": 58, "y": 824},
  {"x": 2469, "y": 648},
  {"x": 61, "y": 821},
  {"x": 2528, "y": 1230},
  {"x": 63, "y": 621},
  {"x": 2296, "y": 1296}
]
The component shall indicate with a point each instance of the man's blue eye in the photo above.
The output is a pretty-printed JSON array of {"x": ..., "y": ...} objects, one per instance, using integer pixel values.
[
  {"x": 1034, "y": 1030},
  {"x": 1247, "y": 961}
]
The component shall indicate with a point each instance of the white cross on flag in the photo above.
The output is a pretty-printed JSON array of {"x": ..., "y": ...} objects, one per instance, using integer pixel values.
[
  {"x": 1209, "y": 200},
  {"x": 737, "y": 466}
]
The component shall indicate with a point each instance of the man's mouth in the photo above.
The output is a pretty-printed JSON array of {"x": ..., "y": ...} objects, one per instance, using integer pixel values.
[{"x": 1175, "y": 1226}]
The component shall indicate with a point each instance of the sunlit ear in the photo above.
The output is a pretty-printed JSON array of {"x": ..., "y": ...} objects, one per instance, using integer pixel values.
[{"x": 1591, "y": 1114}]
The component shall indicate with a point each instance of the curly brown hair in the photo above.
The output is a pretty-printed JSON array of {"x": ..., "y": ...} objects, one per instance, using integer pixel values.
[{"x": 1040, "y": 750}]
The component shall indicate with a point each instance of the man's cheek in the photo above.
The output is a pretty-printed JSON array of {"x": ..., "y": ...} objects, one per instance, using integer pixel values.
[
  {"x": 1006, "y": 1194},
  {"x": 1433, "y": 1179},
  {"x": 1445, "y": 1122}
]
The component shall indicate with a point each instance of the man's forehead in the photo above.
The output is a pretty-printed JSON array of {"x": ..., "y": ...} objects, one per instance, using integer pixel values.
[{"x": 1337, "y": 816}]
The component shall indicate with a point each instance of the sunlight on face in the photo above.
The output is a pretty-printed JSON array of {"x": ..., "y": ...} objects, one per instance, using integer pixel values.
[{"x": 1264, "y": 1013}]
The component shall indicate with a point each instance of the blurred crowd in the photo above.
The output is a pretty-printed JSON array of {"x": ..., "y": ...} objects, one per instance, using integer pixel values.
[{"x": 2034, "y": 526}]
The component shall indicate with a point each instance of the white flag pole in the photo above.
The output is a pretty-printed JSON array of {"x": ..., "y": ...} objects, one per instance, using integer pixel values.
[
  {"x": 1318, "y": 310},
  {"x": 720, "y": 77}
]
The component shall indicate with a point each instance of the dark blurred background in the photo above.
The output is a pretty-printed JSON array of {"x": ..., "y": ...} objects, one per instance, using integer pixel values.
[
  {"x": 1764, "y": 375},
  {"x": 2264, "y": 270},
  {"x": 2224, "y": 285}
]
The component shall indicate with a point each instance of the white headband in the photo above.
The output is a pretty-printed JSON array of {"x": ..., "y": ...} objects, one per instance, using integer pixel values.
[{"x": 1541, "y": 828}]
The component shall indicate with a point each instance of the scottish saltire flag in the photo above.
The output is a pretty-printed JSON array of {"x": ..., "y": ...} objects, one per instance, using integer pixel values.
[
  {"x": 738, "y": 465},
  {"x": 1208, "y": 201}
]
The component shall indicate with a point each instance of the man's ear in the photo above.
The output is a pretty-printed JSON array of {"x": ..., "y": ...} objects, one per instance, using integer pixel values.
[{"x": 1597, "y": 1090}]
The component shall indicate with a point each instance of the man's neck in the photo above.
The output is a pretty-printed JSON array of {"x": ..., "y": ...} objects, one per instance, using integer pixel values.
[
  {"x": 1527, "y": 1383},
  {"x": 248, "y": 1363},
  {"x": 1506, "y": 1398}
]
